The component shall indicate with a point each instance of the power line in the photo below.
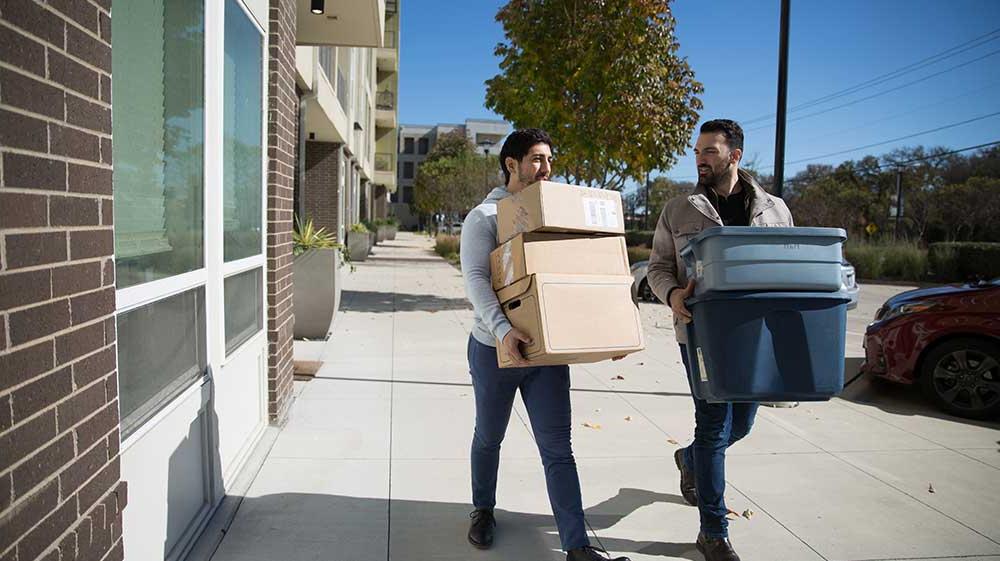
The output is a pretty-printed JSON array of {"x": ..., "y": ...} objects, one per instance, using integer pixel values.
[
  {"x": 941, "y": 128},
  {"x": 890, "y": 90},
  {"x": 933, "y": 59}
]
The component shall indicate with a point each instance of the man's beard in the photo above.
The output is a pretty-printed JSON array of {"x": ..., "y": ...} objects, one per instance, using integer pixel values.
[
  {"x": 711, "y": 179},
  {"x": 527, "y": 178}
]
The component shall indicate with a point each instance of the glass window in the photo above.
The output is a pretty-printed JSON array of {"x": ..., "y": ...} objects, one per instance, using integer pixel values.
[
  {"x": 241, "y": 143},
  {"x": 408, "y": 194},
  {"x": 158, "y": 118},
  {"x": 407, "y": 145},
  {"x": 422, "y": 146},
  {"x": 161, "y": 350},
  {"x": 244, "y": 307},
  {"x": 407, "y": 170}
]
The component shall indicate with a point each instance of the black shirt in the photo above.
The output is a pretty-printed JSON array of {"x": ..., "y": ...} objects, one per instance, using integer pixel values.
[{"x": 732, "y": 209}]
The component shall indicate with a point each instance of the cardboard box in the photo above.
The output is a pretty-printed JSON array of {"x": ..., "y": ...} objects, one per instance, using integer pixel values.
[
  {"x": 527, "y": 254},
  {"x": 572, "y": 319},
  {"x": 546, "y": 206}
]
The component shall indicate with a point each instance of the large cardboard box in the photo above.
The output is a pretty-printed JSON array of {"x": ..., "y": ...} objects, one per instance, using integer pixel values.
[
  {"x": 546, "y": 206},
  {"x": 572, "y": 319},
  {"x": 527, "y": 254}
]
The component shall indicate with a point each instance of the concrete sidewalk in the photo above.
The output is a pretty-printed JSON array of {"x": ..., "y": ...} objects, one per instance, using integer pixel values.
[{"x": 373, "y": 464}]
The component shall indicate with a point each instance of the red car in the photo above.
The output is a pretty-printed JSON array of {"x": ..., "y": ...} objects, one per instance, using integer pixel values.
[{"x": 947, "y": 339}]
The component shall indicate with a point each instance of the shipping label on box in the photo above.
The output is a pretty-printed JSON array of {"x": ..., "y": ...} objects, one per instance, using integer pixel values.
[{"x": 556, "y": 207}]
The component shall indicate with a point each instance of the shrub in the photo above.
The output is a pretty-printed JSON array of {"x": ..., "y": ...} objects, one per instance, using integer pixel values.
[
  {"x": 961, "y": 261},
  {"x": 447, "y": 245},
  {"x": 894, "y": 260},
  {"x": 359, "y": 228},
  {"x": 639, "y": 237},
  {"x": 636, "y": 254}
]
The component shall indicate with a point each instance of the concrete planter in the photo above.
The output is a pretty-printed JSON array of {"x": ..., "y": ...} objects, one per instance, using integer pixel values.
[
  {"x": 358, "y": 245},
  {"x": 372, "y": 240},
  {"x": 382, "y": 234},
  {"x": 316, "y": 292},
  {"x": 391, "y": 234}
]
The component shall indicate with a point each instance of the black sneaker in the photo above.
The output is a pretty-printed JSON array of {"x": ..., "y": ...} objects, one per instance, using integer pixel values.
[
  {"x": 688, "y": 489},
  {"x": 481, "y": 529},
  {"x": 591, "y": 553},
  {"x": 716, "y": 549}
]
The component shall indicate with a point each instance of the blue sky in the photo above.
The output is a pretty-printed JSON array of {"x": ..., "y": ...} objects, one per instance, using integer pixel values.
[{"x": 447, "y": 54}]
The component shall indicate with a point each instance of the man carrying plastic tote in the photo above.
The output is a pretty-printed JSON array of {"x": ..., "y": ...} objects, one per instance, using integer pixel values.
[
  {"x": 725, "y": 196},
  {"x": 525, "y": 158}
]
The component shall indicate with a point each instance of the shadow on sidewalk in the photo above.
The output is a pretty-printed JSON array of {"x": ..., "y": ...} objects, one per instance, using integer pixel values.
[
  {"x": 299, "y": 527},
  {"x": 903, "y": 400},
  {"x": 388, "y": 302}
]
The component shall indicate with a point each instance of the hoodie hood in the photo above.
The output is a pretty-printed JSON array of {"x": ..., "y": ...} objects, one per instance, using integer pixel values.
[{"x": 495, "y": 195}]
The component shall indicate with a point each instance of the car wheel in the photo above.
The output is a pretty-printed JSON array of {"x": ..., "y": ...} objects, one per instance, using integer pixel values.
[
  {"x": 963, "y": 377},
  {"x": 646, "y": 293}
]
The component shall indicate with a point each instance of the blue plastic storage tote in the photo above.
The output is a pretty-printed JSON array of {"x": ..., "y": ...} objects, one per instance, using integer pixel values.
[
  {"x": 767, "y": 346},
  {"x": 761, "y": 258}
]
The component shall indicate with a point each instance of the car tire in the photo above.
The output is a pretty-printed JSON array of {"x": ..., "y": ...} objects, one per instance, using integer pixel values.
[
  {"x": 646, "y": 293},
  {"x": 962, "y": 377}
]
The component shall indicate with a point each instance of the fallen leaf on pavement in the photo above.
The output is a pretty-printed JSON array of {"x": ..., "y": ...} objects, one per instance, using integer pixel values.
[
  {"x": 672, "y": 441},
  {"x": 594, "y": 426},
  {"x": 748, "y": 514},
  {"x": 640, "y": 364},
  {"x": 628, "y": 417},
  {"x": 930, "y": 488},
  {"x": 619, "y": 377},
  {"x": 731, "y": 514}
]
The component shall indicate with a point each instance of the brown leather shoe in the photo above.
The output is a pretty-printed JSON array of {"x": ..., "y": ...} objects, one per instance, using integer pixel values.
[
  {"x": 688, "y": 490},
  {"x": 716, "y": 549}
]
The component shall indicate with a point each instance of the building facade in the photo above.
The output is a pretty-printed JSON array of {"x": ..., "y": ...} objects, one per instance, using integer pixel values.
[
  {"x": 416, "y": 142},
  {"x": 146, "y": 256}
]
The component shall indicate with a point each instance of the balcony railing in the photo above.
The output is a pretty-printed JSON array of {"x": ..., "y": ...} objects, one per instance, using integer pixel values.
[
  {"x": 342, "y": 93},
  {"x": 383, "y": 161},
  {"x": 385, "y": 100},
  {"x": 391, "y": 7},
  {"x": 389, "y": 40}
]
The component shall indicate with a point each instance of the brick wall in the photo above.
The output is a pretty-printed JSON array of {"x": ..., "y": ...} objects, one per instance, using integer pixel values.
[
  {"x": 282, "y": 116},
  {"x": 61, "y": 496},
  {"x": 321, "y": 185}
]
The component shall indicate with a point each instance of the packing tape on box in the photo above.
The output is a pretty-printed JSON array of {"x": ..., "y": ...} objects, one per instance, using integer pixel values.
[{"x": 506, "y": 257}]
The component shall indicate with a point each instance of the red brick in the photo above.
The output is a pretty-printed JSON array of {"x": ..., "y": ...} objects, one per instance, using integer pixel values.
[
  {"x": 28, "y": 513},
  {"x": 74, "y": 143},
  {"x": 73, "y": 75},
  {"x": 45, "y": 534},
  {"x": 32, "y": 95},
  {"x": 83, "y": 13},
  {"x": 23, "y": 210},
  {"x": 83, "y": 113},
  {"x": 26, "y": 438},
  {"x": 32, "y": 172},
  {"x": 30, "y": 16},
  {"x": 117, "y": 552},
  {"x": 27, "y": 250},
  {"x": 6, "y": 415},
  {"x": 99, "y": 485},
  {"x": 23, "y": 365},
  {"x": 39, "y": 321},
  {"x": 105, "y": 28},
  {"x": 74, "y": 211},
  {"x": 91, "y": 243},
  {"x": 22, "y": 131},
  {"x": 87, "y": 48},
  {"x": 72, "y": 279},
  {"x": 98, "y": 426},
  {"x": 106, "y": 92},
  {"x": 89, "y": 179},
  {"x": 95, "y": 366},
  {"x": 80, "y": 342},
  {"x": 83, "y": 404},
  {"x": 6, "y": 492},
  {"x": 110, "y": 330},
  {"x": 22, "y": 51},
  {"x": 3, "y": 333},
  {"x": 93, "y": 305},
  {"x": 106, "y": 154},
  {"x": 67, "y": 547},
  {"x": 114, "y": 444},
  {"x": 111, "y": 387},
  {"x": 42, "y": 464},
  {"x": 81, "y": 470},
  {"x": 42, "y": 393},
  {"x": 107, "y": 215}
]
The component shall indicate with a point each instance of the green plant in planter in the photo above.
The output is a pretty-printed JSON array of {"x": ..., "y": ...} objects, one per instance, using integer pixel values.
[
  {"x": 306, "y": 236},
  {"x": 359, "y": 228}
]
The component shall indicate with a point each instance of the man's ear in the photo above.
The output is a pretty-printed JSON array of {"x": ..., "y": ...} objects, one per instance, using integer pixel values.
[
  {"x": 736, "y": 156},
  {"x": 511, "y": 164}
]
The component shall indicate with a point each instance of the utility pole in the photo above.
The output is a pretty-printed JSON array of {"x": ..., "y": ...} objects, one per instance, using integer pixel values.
[
  {"x": 779, "y": 134},
  {"x": 899, "y": 200},
  {"x": 645, "y": 224}
]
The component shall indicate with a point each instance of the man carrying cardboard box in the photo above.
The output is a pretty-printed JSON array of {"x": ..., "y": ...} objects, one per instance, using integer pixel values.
[
  {"x": 725, "y": 196},
  {"x": 525, "y": 158}
]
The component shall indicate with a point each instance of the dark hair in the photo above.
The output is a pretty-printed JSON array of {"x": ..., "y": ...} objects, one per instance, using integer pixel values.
[
  {"x": 517, "y": 145},
  {"x": 730, "y": 129}
]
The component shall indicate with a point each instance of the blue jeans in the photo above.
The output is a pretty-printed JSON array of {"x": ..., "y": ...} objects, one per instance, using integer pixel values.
[
  {"x": 717, "y": 426},
  {"x": 545, "y": 392}
]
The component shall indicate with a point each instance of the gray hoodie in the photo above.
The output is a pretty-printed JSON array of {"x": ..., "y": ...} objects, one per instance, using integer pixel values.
[{"x": 479, "y": 238}]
